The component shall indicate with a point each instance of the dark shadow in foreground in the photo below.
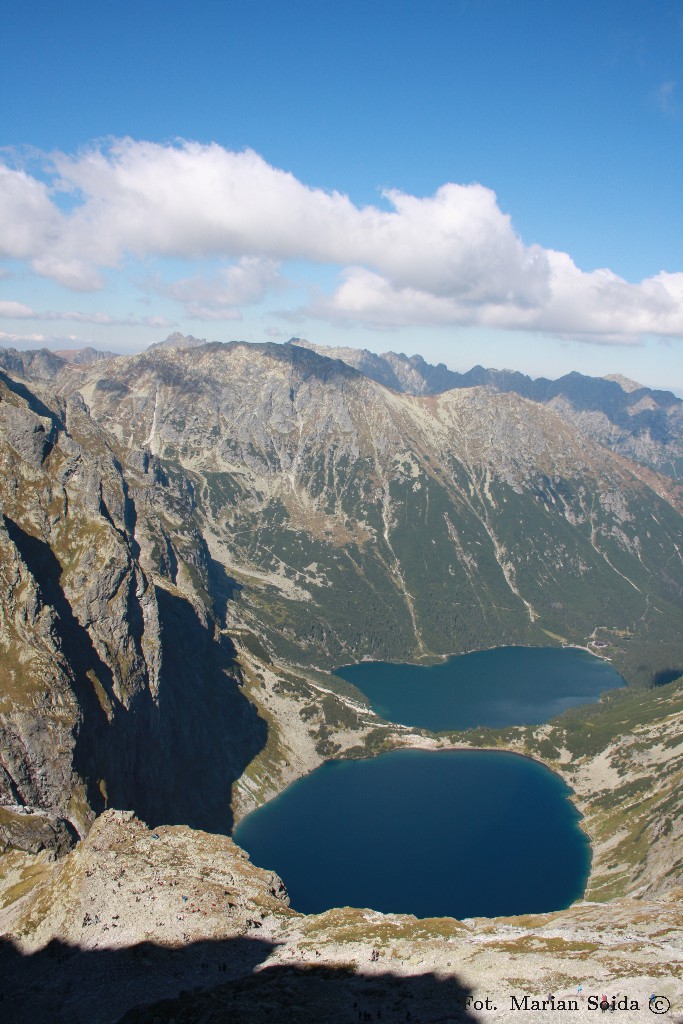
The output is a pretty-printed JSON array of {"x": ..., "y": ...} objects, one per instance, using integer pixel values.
[{"x": 211, "y": 982}]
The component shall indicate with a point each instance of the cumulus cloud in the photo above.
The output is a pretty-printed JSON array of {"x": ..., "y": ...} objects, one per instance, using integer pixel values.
[
  {"x": 598, "y": 307},
  {"x": 30, "y": 220},
  {"x": 450, "y": 258},
  {"x": 219, "y": 297},
  {"x": 366, "y": 297}
]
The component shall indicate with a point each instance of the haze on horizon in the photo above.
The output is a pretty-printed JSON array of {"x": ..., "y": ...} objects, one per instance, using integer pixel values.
[{"x": 479, "y": 182}]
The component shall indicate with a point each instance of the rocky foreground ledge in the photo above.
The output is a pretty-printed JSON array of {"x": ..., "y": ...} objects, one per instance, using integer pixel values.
[{"x": 142, "y": 925}]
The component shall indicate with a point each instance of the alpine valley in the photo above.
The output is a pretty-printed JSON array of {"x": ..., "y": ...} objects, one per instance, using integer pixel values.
[{"x": 191, "y": 540}]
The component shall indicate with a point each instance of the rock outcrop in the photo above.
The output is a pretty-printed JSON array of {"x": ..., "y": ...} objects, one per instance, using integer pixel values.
[
  {"x": 97, "y": 707},
  {"x": 138, "y": 925}
]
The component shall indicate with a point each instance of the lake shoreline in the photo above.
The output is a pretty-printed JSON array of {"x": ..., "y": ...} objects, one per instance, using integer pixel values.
[
  {"x": 391, "y": 736},
  {"x": 410, "y": 835},
  {"x": 493, "y": 688},
  {"x": 427, "y": 661}
]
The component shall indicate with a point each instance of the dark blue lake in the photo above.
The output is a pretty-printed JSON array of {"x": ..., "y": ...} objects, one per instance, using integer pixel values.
[
  {"x": 503, "y": 686},
  {"x": 447, "y": 833}
]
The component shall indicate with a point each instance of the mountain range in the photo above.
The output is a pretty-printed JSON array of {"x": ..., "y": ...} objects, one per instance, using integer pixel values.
[
  {"x": 643, "y": 424},
  {"x": 192, "y": 538}
]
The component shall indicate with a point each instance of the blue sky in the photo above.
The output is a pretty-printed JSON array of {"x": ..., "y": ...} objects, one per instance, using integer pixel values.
[{"x": 476, "y": 180}]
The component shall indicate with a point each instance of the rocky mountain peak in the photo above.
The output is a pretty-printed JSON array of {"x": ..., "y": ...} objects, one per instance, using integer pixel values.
[
  {"x": 85, "y": 356},
  {"x": 642, "y": 424},
  {"x": 178, "y": 340},
  {"x": 624, "y": 382}
]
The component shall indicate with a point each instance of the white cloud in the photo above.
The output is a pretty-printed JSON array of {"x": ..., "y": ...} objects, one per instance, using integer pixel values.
[
  {"x": 16, "y": 311},
  {"x": 29, "y": 218},
  {"x": 598, "y": 307},
  {"x": 450, "y": 258},
  {"x": 368, "y": 298},
  {"x": 243, "y": 284},
  {"x": 155, "y": 321},
  {"x": 7, "y": 337},
  {"x": 10, "y": 310}
]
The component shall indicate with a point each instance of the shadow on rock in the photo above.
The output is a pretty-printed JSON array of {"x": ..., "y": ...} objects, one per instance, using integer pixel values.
[
  {"x": 33, "y": 402},
  {"x": 224, "y": 589},
  {"x": 62, "y": 983},
  {"x": 213, "y": 983},
  {"x": 172, "y": 760},
  {"x": 205, "y": 731}
]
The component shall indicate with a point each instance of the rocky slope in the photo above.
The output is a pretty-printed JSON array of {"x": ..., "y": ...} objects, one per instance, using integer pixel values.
[
  {"x": 356, "y": 522},
  {"x": 172, "y": 514},
  {"x": 270, "y": 498},
  {"x": 643, "y": 424},
  {"x": 96, "y": 706},
  {"x": 191, "y": 535},
  {"x": 143, "y": 925}
]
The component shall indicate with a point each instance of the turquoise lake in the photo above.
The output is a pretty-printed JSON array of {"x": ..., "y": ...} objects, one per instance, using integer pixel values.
[
  {"x": 448, "y": 833},
  {"x": 503, "y": 686}
]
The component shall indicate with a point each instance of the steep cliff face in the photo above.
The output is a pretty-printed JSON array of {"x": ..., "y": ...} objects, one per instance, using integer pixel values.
[
  {"x": 360, "y": 522},
  {"x": 96, "y": 706}
]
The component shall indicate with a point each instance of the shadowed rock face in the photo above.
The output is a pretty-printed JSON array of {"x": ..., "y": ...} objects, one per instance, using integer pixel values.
[
  {"x": 38, "y": 365},
  {"x": 201, "y": 731},
  {"x": 115, "y": 690},
  {"x": 63, "y": 983}
]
